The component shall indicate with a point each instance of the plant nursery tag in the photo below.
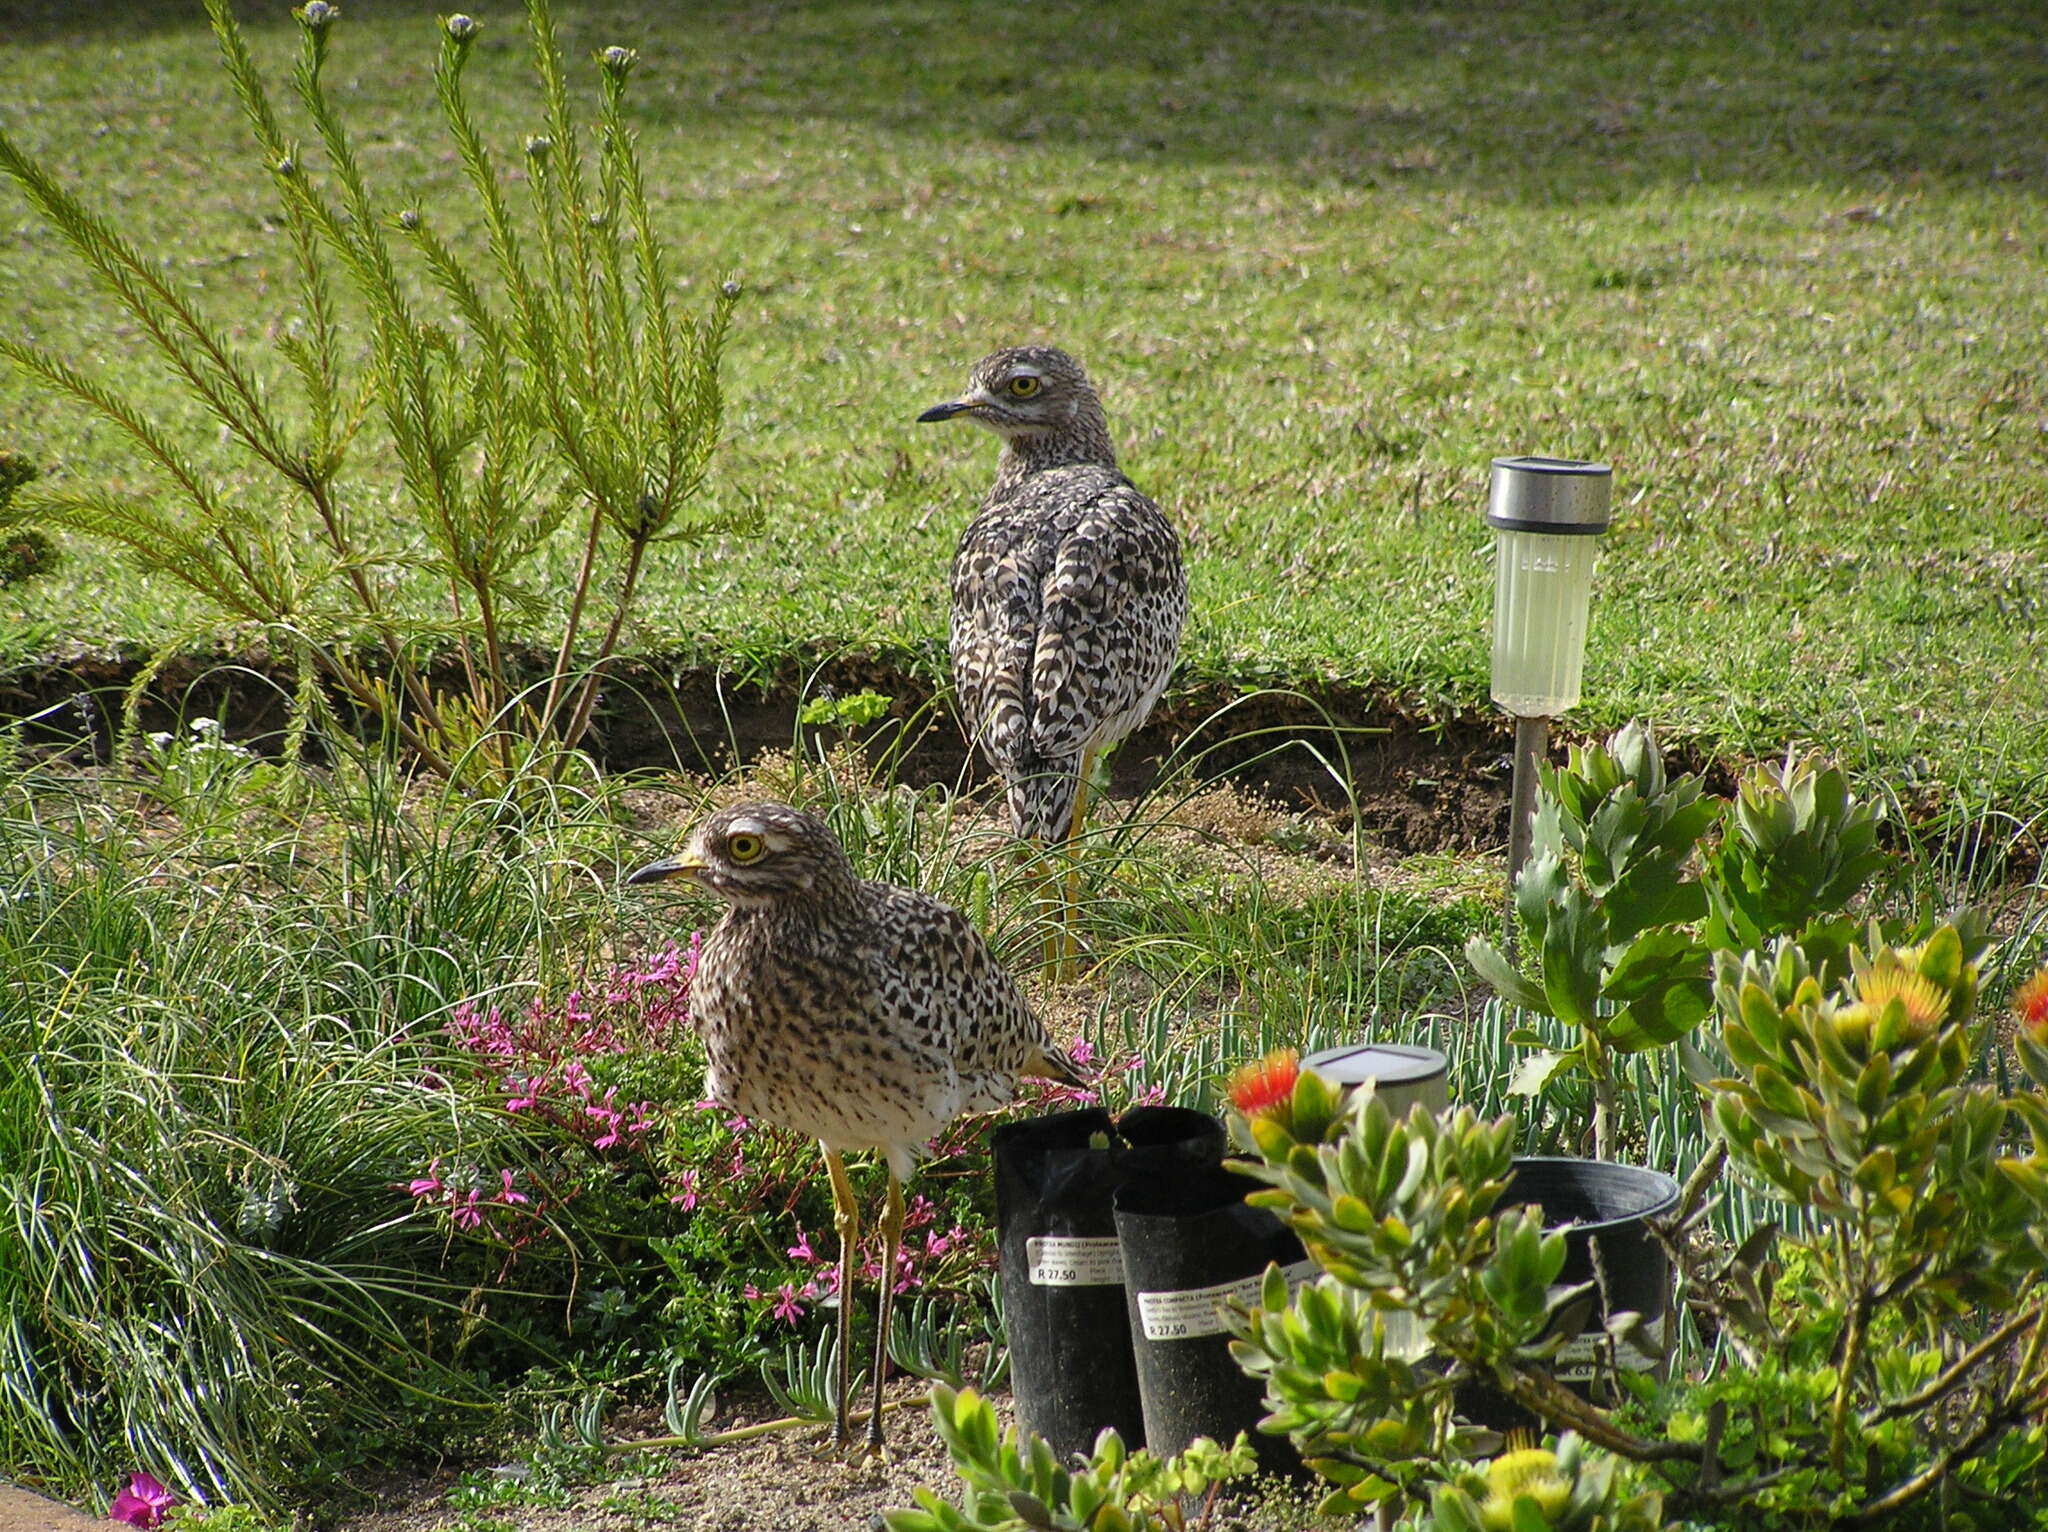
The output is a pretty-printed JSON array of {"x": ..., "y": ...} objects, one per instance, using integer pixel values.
[
  {"x": 1060, "y": 1261},
  {"x": 1578, "y": 1359},
  {"x": 1199, "y": 1310}
]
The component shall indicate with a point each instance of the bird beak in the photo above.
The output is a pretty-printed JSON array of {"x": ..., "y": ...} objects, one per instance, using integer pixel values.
[
  {"x": 687, "y": 865},
  {"x": 948, "y": 411}
]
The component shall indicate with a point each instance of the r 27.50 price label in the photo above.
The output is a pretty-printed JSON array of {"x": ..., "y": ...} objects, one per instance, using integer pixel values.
[
  {"x": 1198, "y": 1311},
  {"x": 1071, "y": 1261}
]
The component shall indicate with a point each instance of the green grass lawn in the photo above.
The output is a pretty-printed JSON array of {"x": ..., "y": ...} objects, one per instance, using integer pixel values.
[{"x": 1781, "y": 265}]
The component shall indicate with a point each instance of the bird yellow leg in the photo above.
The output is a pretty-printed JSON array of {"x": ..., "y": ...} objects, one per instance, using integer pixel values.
[
  {"x": 1070, "y": 897},
  {"x": 846, "y": 1223},
  {"x": 892, "y": 1241}
]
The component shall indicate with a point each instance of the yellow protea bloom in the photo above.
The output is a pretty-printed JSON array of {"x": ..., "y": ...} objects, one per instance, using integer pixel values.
[
  {"x": 1531, "y": 1471},
  {"x": 1923, "y": 1005}
]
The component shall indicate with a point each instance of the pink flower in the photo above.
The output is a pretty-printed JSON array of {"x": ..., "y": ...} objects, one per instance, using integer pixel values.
[
  {"x": 467, "y": 1214},
  {"x": 1082, "y": 1053},
  {"x": 428, "y": 1185},
  {"x": 142, "y": 1503},
  {"x": 936, "y": 1244},
  {"x": 786, "y": 1307},
  {"x": 508, "y": 1196},
  {"x": 686, "y": 1199},
  {"x": 921, "y": 1211},
  {"x": 801, "y": 1250}
]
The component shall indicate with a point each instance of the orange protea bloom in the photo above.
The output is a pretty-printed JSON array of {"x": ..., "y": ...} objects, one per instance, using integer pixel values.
[
  {"x": 2030, "y": 1005},
  {"x": 1261, "y": 1086}
]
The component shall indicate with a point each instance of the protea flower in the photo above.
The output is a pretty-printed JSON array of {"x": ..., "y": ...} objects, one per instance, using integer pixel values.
[
  {"x": 1531, "y": 1472},
  {"x": 1267, "y": 1083},
  {"x": 2030, "y": 1006}
]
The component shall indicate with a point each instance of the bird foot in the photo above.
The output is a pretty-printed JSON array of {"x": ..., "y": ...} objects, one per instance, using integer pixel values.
[{"x": 869, "y": 1450}]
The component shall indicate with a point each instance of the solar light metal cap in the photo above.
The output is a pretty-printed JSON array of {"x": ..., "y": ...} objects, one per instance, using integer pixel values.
[
  {"x": 1400, "y": 1073},
  {"x": 1558, "y": 495}
]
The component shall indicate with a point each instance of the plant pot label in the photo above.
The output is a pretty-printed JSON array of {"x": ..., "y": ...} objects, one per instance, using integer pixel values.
[
  {"x": 1199, "y": 1311},
  {"x": 1062, "y": 1261},
  {"x": 1579, "y": 1360}
]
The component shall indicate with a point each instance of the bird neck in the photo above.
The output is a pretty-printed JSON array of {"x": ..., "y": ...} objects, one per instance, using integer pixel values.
[{"x": 1082, "y": 439}]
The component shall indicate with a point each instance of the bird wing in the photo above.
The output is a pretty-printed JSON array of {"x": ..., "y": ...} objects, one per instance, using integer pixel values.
[
  {"x": 1109, "y": 625},
  {"x": 997, "y": 574},
  {"x": 1068, "y": 597},
  {"x": 966, "y": 1010}
]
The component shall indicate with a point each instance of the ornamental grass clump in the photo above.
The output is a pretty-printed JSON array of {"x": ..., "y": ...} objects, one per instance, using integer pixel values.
[{"x": 547, "y": 383}]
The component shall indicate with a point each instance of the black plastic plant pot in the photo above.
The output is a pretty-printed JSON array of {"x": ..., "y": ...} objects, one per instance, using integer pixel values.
[
  {"x": 1190, "y": 1244},
  {"x": 1071, "y": 1368},
  {"x": 1603, "y": 1211}
]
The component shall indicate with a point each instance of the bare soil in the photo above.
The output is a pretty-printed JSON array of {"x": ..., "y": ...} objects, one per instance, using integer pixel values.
[{"x": 1417, "y": 785}]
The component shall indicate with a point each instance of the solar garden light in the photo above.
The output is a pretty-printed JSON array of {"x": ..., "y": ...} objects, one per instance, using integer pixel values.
[{"x": 1547, "y": 515}]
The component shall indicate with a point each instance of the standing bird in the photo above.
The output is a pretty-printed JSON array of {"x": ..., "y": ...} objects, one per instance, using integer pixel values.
[
  {"x": 1068, "y": 590},
  {"x": 864, "y": 1015}
]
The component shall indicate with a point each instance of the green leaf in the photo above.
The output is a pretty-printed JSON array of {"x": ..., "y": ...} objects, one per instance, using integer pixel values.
[
  {"x": 1533, "y": 1073},
  {"x": 1573, "y": 939},
  {"x": 1493, "y": 967}
]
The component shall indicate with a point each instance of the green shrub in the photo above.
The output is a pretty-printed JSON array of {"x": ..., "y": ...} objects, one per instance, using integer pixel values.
[
  {"x": 562, "y": 386},
  {"x": 1888, "y": 1367}
]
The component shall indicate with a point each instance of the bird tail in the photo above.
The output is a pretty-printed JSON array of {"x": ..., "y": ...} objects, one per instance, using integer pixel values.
[{"x": 1052, "y": 1062}]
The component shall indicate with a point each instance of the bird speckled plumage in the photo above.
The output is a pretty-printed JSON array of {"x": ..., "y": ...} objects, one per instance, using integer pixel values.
[
  {"x": 1068, "y": 590},
  {"x": 864, "y": 1015}
]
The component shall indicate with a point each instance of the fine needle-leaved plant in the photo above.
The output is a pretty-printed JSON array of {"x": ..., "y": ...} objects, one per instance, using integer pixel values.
[{"x": 551, "y": 382}]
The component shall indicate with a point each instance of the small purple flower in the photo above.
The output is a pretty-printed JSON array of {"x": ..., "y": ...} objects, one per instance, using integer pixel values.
[
  {"x": 143, "y": 1503},
  {"x": 467, "y": 1214},
  {"x": 786, "y": 1307},
  {"x": 461, "y": 28}
]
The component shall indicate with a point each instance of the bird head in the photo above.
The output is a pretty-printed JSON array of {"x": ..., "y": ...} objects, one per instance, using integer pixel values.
[
  {"x": 1023, "y": 391},
  {"x": 756, "y": 854}
]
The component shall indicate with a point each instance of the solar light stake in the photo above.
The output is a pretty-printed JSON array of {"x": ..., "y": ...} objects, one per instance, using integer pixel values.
[{"x": 1547, "y": 514}]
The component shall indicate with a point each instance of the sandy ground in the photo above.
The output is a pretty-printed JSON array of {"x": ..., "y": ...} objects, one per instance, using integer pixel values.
[
  {"x": 783, "y": 1483},
  {"x": 21, "y": 1511}
]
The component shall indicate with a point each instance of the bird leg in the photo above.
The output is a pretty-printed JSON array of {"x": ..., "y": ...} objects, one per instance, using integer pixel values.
[
  {"x": 1070, "y": 900},
  {"x": 846, "y": 1221},
  {"x": 892, "y": 1241}
]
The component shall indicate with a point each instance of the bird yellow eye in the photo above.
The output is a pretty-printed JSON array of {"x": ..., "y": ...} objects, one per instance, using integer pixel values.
[
  {"x": 744, "y": 848},
  {"x": 1023, "y": 386}
]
